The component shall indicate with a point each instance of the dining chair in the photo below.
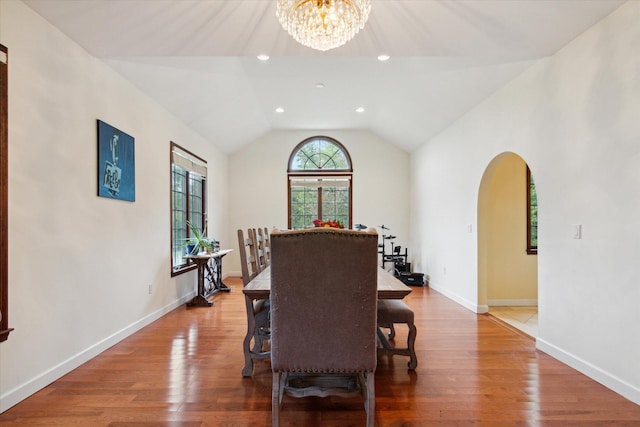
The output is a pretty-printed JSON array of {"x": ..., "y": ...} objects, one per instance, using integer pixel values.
[
  {"x": 248, "y": 255},
  {"x": 259, "y": 248},
  {"x": 267, "y": 246},
  {"x": 323, "y": 315},
  {"x": 262, "y": 248},
  {"x": 258, "y": 310},
  {"x": 391, "y": 312}
]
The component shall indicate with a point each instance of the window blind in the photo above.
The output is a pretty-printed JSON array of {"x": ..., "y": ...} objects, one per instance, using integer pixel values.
[
  {"x": 188, "y": 161},
  {"x": 318, "y": 181}
]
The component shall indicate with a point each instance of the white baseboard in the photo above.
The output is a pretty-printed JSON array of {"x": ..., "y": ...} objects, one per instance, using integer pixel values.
[
  {"x": 610, "y": 381},
  {"x": 512, "y": 302},
  {"x": 605, "y": 378},
  {"x": 18, "y": 394},
  {"x": 480, "y": 309}
]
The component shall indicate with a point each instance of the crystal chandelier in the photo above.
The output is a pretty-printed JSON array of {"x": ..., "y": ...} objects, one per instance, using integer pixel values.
[{"x": 323, "y": 24}]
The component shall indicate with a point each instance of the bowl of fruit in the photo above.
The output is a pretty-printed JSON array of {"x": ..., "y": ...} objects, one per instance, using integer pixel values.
[{"x": 328, "y": 224}]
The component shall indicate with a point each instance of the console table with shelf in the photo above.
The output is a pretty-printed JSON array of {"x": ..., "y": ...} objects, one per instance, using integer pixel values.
[{"x": 209, "y": 277}]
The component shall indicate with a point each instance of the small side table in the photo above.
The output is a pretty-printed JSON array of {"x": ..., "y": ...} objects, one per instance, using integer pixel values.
[{"x": 209, "y": 277}]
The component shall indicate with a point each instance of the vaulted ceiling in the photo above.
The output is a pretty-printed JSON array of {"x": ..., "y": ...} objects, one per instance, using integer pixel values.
[{"x": 198, "y": 60}]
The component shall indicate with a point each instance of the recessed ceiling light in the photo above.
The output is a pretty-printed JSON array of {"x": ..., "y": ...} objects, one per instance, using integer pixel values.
[
  {"x": 279, "y": 110},
  {"x": 383, "y": 58},
  {"x": 319, "y": 85},
  {"x": 360, "y": 110},
  {"x": 263, "y": 57}
]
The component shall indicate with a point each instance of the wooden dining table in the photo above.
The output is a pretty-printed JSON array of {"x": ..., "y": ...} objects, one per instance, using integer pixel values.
[{"x": 389, "y": 287}]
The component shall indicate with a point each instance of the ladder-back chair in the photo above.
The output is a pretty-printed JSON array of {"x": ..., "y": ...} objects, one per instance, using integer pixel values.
[{"x": 257, "y": 311}]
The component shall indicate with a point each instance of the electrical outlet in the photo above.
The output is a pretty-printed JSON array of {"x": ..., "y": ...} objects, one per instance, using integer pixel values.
[{"x": 150, "y": 289}]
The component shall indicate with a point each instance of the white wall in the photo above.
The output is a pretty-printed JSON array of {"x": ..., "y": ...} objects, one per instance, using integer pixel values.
[
  {"x": 258, "y": 184},
  {"x": 80, "y": 265},
  {"x": 574, "y": 119}
]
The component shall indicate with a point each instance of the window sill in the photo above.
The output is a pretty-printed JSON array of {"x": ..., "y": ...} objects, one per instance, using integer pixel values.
[{"x": 183, "y": 269}]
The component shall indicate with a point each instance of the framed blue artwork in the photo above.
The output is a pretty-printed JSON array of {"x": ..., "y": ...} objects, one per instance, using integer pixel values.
[{"x": 116, "y": 163}]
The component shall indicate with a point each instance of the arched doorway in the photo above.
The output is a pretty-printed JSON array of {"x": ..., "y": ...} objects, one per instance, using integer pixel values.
[{"x": 507, "y": 273}]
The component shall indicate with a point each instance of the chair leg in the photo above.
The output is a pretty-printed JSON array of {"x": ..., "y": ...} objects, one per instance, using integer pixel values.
[
  {"x": 257, "y": 342},
  {"x": 411, "y": 340},
  {"x": 276, "y": 399},
  {"x": 261, "y": 319},
  {"x": 370, "y": 398}
]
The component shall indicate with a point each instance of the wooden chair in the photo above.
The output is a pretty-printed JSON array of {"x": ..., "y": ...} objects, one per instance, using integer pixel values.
[
  {"x": 323, "y": 315},
  {"x": 259, "y": 249},
  {"x": 267, "y": 246},
  {"x": 392, "y": 312},
  {"x": 257, "y": 311},
  {"x": 248, "y": 257}
]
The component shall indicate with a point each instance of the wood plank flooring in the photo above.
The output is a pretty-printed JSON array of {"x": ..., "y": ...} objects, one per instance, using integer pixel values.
[{"x": 184, "y": 370}]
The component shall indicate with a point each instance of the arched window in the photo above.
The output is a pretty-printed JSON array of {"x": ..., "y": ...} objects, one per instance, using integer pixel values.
[{"x": 320, "y": 183}]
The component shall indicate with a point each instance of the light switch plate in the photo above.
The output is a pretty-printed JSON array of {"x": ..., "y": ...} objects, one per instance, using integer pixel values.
[{"x": 577, "y": 231}]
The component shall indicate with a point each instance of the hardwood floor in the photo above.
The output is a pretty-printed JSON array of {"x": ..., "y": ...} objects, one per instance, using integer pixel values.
[{"x": 184, "y": 370}]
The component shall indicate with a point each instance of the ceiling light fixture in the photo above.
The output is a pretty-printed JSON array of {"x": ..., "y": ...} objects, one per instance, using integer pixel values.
[
  {"x": 360, "y": 110},
  {"x": 263, "y": 57},
  {"x": 279, "y": 110},
  {"x": 383, "y": 58},
  {"x": 323, "y": 24}
]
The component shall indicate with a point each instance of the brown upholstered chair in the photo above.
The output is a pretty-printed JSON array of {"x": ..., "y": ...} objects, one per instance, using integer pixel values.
[
  {"x": 259, "y": 309},
  {"x": 323, "y": 315}
]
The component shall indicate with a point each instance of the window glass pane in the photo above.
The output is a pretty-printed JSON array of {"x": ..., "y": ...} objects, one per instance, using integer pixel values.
[
  {"x": 304, "y": 207},
  {"x": 195, "y": 201},
  {"x": 533, "y": 213},
  {"x": 178, "y": 214},
  {"x": 320, "y": 154},
  {"x": 335, "y": 204}
]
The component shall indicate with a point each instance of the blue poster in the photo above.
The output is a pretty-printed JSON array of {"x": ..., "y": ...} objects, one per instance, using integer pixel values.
[{"x": 116, "y": 163}]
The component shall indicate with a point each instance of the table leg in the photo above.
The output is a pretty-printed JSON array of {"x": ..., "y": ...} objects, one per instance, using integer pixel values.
[
  {"x": 219, "y": 284},
  {"x": 200, "y": 300}
]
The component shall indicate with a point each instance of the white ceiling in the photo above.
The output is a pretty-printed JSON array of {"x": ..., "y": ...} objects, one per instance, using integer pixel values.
[{"x": 198, "y": 59}]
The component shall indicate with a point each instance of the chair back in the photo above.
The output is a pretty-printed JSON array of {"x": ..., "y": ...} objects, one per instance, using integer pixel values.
[
  {"x": 323, "y": 300},
  {"x": 248, "y": 262},
  {"x": 261, "y": 254},
  {"x": 267, "y": 246}
]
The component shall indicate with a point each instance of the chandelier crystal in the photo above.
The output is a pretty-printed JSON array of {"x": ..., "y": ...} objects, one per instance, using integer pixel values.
[{"x": 323, "y": 24}]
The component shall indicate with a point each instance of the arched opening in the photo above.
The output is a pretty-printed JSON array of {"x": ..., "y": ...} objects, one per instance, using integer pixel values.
[{"x": 507, "y": 270}]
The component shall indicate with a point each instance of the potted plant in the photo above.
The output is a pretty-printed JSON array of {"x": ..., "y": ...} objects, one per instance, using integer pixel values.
[{"x": 198, "y": 241}]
